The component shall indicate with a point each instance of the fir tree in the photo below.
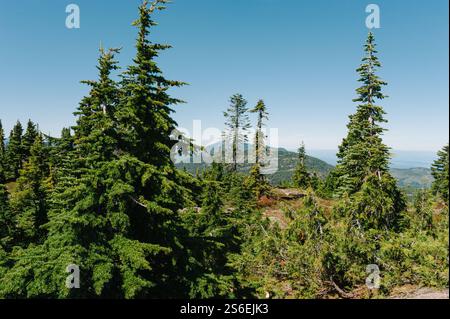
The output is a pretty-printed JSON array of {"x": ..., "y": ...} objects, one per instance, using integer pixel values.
[
  {"x": 30, "y": 199},
  {"x": 440, "y": 173},
  {"x": 118, "y": 217},
  {"x": 301, "y": 177},
  {"x": 363, "y": 165},
  {"x": 146, "y": 107},
  {"x": 237, "y": 122},
  {"x": 14, "y": 152},
  {"x": 256, "y": 180},
  {"x": 362, "y": 152},
  {"x": 261, "y": 112},
  {"x": 29, "y": 138},
  {"x": 62, "y": 159}
]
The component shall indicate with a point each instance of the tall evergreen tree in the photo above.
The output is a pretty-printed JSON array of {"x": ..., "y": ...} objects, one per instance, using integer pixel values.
[
  {"x": 118, "y": 219},
  {"x": 301, "y": 177},
  {"x": 14, "y": 152},
  {"x": 29, "y": 138},
  {"x": 363, "y": 159},
  {"x": 30, "y": 199},
  {"x": 261, "y": 113},
  {"x": 146, "y": 107},
  {"x": 256, "y": 180},
  {"x": 439, "y": 171},
  {"x": 237, "y": 122}
]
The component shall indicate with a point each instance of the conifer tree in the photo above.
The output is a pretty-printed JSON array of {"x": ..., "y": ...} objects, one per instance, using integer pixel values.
[
  {"x": 440, "y": 173},
  {"x": 30, "y": 199},
  {"x": 62, "y": 159},
  {"x": 118, "y": 218},
  {"x": 301, "y": 177},
  {"x": 237, "y": 122},
  {"x": 363, "y": 165},
  {"x": 146, "y": 107},
  {"x": 214, "y": 235},
  {"x": 29, "y": 138},
  {"x": 261, "y": 112},
  {"x": 14, "y": 152},
  {"x": 256, "y": 180},
  {"x": 6, "y": 219}
]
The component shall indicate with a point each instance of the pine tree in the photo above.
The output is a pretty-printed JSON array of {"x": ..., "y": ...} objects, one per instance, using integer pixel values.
[
  {"x": 440, "y": 173},
  {"x": 301, "y": 177},
  {"x": 363, "y": 165},
  {"x": 237, "y": 122},
  {"x": 14, "y": 152},
  {"x": 29, "y": 138},
  {"x": 256, "y": 180},
  {"x": 30, "y": 199}
]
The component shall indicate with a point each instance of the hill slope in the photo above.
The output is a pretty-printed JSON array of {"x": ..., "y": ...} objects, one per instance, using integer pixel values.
[
  {"x": 409, "y": 179},
  {"x": 286, "y": 164}
]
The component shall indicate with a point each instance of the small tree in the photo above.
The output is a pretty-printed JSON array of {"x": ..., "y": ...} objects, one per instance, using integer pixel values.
[
  {"x": 29, "y": 138},
  {"x": 301, "y": 177},
  {"x": 237, "y": 122},
  {"x": 30, "y": 200},
  {"x": 439, "y": 171}
]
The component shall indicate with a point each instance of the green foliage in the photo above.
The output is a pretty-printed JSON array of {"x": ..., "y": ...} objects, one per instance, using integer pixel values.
[
  {"x": 257, "y": 182},
  {"x": 29, "y": 138},
  {"x": 362, "y": 171},
  {"x": 116, "y": 195},
  {"x": 301, "y": 177},
  {"x": 237, "y": 122},
  {"x": 6, "y": 221},
  {"x": 261, "y": 111},
  {"x": 29, "y": 202},
  {"x": 108, "y": 198},
  {"x": 14, "y": 155},
  {"x": 439, "y": 171}
]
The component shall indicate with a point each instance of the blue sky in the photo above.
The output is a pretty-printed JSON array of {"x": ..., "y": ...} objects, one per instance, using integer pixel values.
[{"x": 299, "y": 56}]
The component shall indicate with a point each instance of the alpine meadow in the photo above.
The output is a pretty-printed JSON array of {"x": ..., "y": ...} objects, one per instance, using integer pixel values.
[{"x": 125, "y": 204}]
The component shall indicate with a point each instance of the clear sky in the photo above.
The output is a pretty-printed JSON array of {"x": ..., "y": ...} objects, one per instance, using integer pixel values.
[{"x": 299, "y": 56}]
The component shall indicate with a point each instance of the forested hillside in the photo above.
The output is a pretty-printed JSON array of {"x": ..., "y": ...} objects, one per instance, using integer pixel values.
[{"x": 106, "y": 198}]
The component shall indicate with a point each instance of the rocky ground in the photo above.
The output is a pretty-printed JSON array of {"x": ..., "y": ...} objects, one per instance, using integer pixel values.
[{"x": 424, "y": 293}]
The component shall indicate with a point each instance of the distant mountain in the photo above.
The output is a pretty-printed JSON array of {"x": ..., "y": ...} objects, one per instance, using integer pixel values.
[
  {"x": 409, "y": 179},
  {"x": 399, "y": 159},
  {"x": 413, "y": 178},
  {"x": 286, "y": 165},
  {"x": 288, "y": 160}
]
